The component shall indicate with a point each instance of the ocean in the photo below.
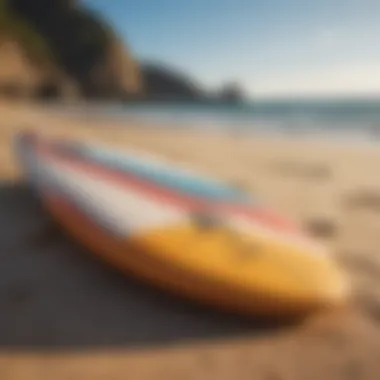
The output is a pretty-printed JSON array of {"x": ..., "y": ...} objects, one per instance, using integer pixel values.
[{"x": 342, "y": 119}]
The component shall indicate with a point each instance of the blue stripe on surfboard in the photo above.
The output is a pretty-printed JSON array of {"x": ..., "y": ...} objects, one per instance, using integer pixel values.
[{"x": 163, "y": 175}]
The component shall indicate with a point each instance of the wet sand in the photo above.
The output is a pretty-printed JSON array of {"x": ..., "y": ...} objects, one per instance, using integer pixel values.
[{"x": 63, "y": 315}]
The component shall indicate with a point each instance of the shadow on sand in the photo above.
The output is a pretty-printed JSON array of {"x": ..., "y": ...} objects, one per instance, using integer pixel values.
[{"x": 53, "y": 295}]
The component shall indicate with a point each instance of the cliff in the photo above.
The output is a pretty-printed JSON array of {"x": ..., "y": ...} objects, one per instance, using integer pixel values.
[
  {"x": 164, "y": 83},
  {"x": 66, "y": 46},
  {"x": 231, "y": 93},
  {"x": 161, "y": 82},
  {"x": 59, "y": 48}
]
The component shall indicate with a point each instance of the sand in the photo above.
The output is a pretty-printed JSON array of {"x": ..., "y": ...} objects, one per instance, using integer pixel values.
[{"x": 63, "y": 315}]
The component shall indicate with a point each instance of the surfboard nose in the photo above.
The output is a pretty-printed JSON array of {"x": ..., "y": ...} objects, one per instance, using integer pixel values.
[
  {"x": 330, "y": 289},
  {"x": 310, "y": 283}
]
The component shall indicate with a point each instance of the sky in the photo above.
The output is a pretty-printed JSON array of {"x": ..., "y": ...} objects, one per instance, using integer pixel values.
[{"x": 273, "y": 48}]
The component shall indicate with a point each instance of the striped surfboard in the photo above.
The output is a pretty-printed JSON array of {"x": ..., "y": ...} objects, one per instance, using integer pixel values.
[{"x": 179, "y": 229}]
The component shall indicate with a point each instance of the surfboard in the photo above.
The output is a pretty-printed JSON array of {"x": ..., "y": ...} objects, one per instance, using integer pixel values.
[{"x": 180, "y": 230}]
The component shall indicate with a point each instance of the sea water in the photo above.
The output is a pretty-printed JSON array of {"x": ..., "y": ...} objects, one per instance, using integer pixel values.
[{"x": 340, "y": 119}]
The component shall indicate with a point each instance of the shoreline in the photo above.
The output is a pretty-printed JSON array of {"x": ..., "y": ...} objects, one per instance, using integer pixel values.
[{"x": 113, "y": 114}]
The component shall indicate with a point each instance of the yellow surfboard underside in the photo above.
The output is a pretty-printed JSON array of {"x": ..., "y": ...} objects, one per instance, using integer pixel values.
[{"x": 250, "y": 276}]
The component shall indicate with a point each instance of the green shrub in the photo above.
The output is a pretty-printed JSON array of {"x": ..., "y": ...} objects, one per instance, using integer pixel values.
[{"x": 13, "y": 26}]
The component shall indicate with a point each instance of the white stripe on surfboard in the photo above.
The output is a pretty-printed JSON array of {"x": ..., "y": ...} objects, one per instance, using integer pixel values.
[
  {"x": 122, "y": 211},
  {"x": 126, "y": 211}
]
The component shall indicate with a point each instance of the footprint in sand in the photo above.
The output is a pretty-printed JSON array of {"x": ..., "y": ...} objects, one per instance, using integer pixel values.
[
  {"x": 295, "y": 169},
  {"x": 367, "y": 199},
  {"x": 321, "y": 228}
]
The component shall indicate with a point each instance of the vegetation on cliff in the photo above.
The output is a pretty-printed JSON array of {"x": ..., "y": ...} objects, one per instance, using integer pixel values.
[{"x": 17, "y": 28}]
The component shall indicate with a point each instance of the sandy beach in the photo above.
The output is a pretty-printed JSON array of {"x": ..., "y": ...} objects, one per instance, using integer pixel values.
[{"x": 63, "y": 315}]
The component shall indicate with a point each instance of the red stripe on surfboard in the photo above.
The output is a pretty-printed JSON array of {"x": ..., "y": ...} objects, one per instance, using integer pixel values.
[{"x": 161, "y": 193}]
